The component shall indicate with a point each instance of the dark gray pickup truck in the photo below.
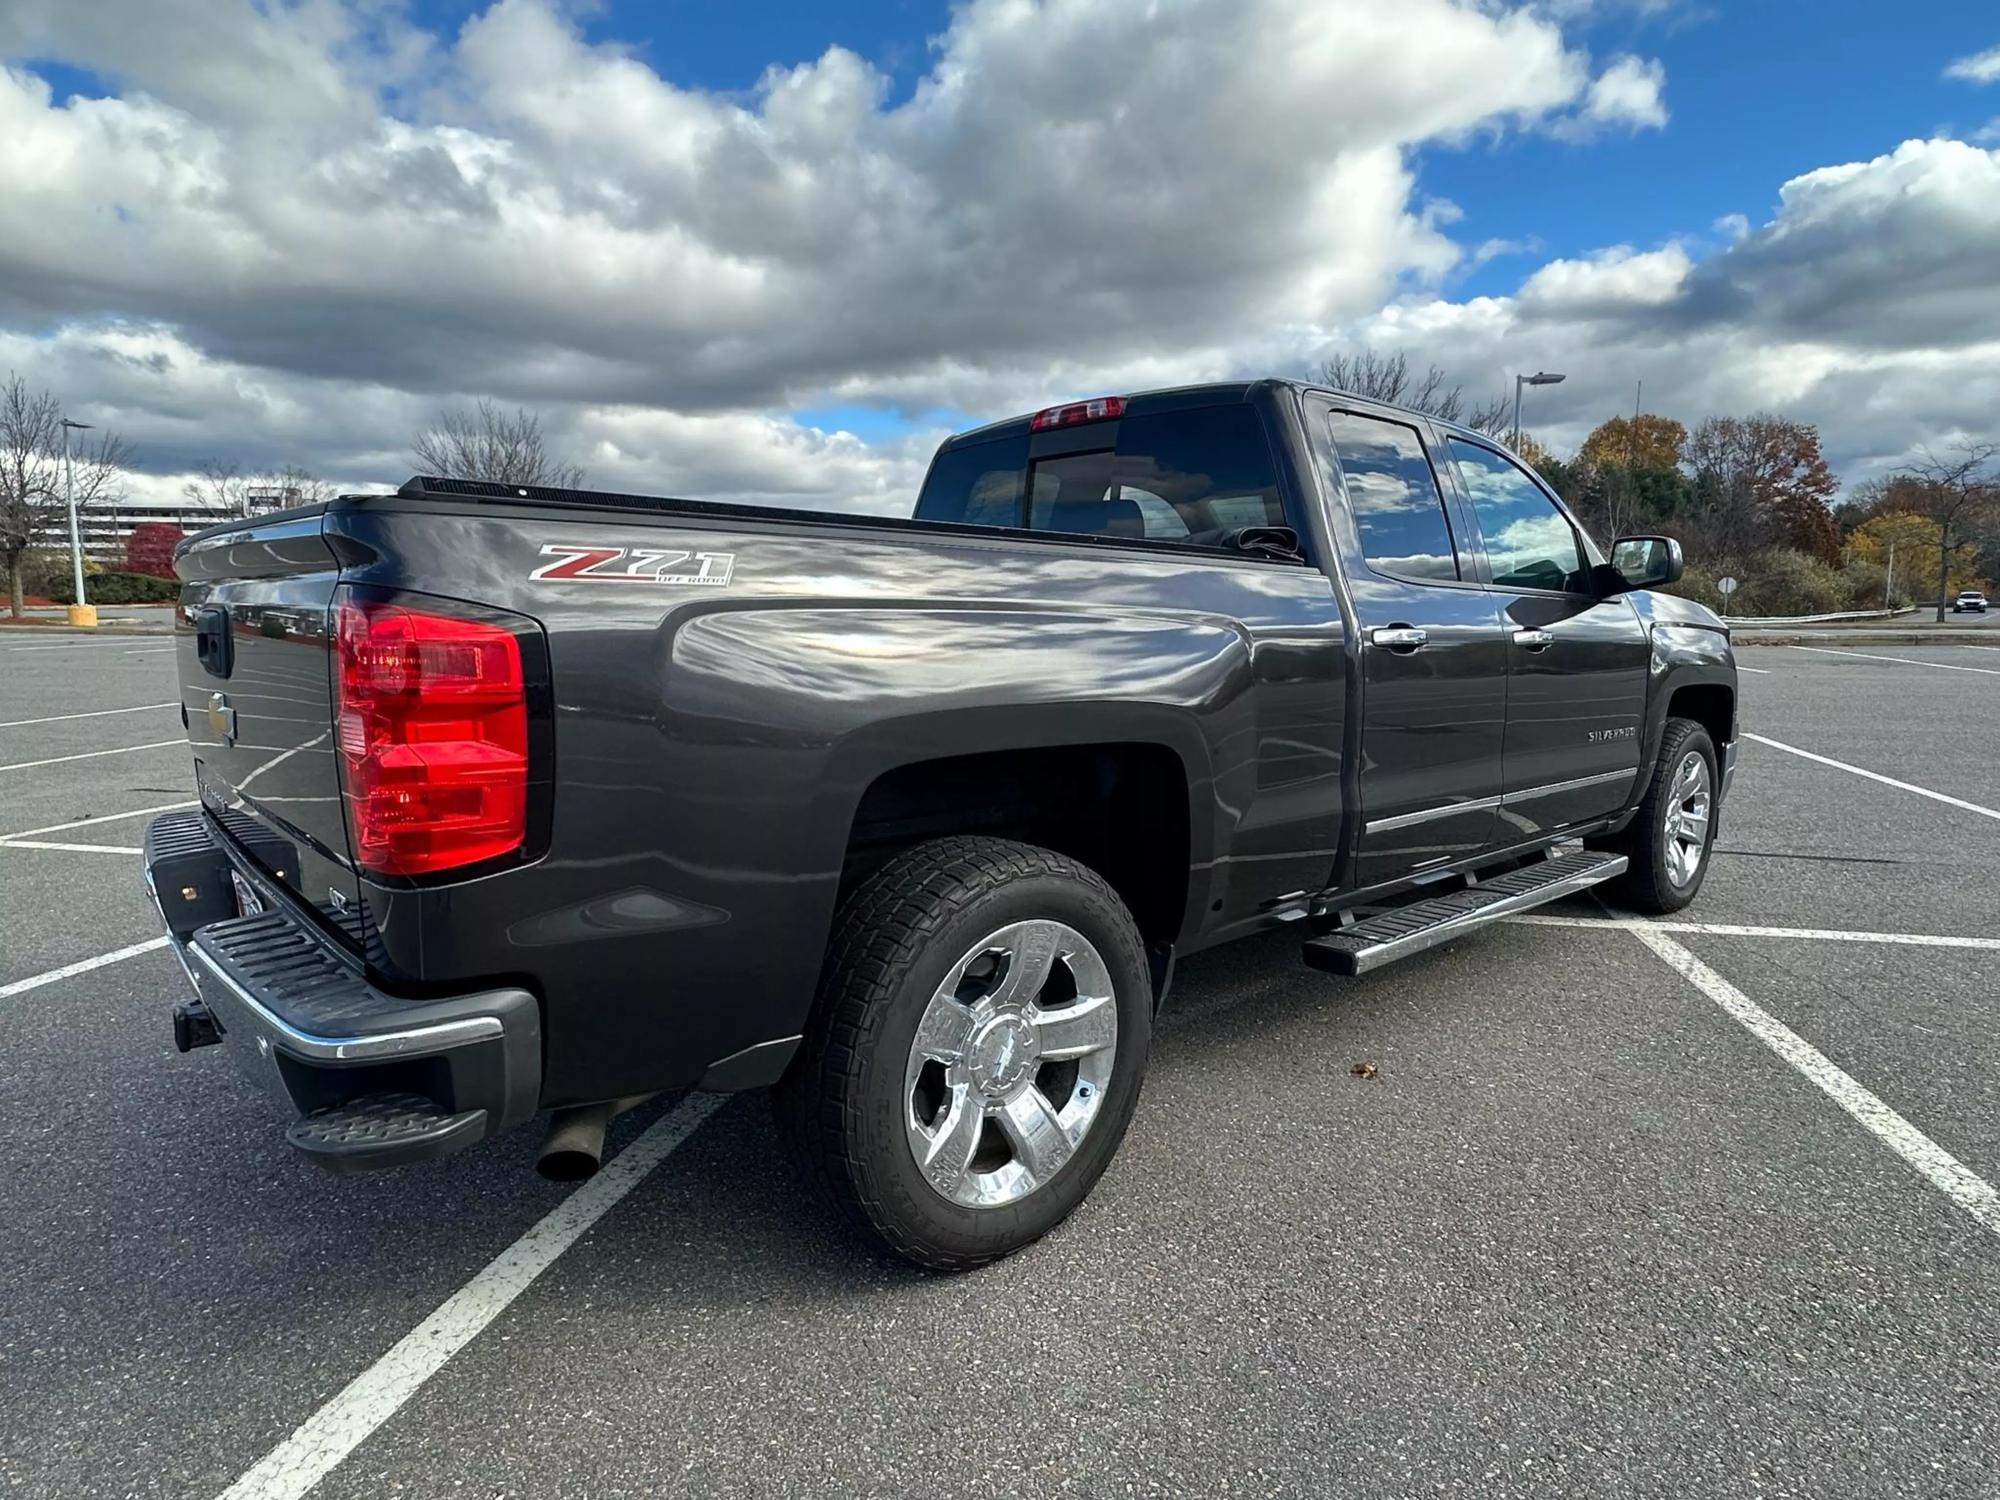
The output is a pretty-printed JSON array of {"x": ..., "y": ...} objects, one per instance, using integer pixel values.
[{"x": 520, "y": 800}]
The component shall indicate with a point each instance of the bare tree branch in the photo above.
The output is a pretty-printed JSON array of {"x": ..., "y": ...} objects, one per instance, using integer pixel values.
[
  {"x": 490, "y": 443},
  {"x": 1386, "y": 378},
  {"x": 32, "y": 496},
  {"x": 1961, "y": 492},
  {"x": 222, "y": 485}
]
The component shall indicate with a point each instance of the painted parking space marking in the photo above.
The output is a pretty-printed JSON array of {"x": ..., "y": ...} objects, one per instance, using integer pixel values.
[
  {"x": 379, "y": 1392},
  {"x": 69, "y": 848},
  {"x": 57, "y": 760},
  {"x": 1730, "y": 929},
  {"x": 1907, "y": 661},
  {"x": 96, "y": 713},
  {"x": 81, "y": 966},
  {"x": 1841, "y": 765},
  {"x": 1939, "y": 1167},
  {"x": 94, "y": 820}
]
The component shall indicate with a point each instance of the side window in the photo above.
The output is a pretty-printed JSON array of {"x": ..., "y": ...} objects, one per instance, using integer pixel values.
[
  {"x": 1529, "y": 543},
  {"x": 1398, "y": 510},
  {"x": 1191, "y": 476}
]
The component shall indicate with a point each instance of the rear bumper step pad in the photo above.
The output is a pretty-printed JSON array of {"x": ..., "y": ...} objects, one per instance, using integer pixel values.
[{"x": 1390, "y": 935}]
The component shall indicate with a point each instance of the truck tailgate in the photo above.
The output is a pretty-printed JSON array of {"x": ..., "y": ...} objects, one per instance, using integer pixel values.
[{"x": 254, "y": 651}]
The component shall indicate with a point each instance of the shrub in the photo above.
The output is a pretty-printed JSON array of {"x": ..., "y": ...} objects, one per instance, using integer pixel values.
[
  {"x": 1866, "y": 582},
  {"x": 1784, "y": 582},
  {"x": 118, "y": 588},
  {"x": 150, "y": 548}
]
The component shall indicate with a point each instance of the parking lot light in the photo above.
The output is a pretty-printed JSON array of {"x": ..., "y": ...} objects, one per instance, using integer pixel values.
[
  {"x": 79, "y": 610},
  {"x": 1540, "y": 377}
]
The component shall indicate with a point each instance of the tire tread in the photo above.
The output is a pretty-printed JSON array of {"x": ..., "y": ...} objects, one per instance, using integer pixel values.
[{"x": 883, "y": 927}]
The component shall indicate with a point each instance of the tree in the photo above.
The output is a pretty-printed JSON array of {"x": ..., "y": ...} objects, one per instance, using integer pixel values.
[
  {"x": 1646, "y": 441},
  {"x": 30, "y": 472},
  {"x": 1762, "y": 481},
  {"x": 222, "y": 485},
  {"x": 1907, "y": 538},
  {"x": 1960, "y": 491},
  {"x": 150, "y": 548},
  {"x": 33, "y": 496},
  {"x": 489, "y": 443},
  {"x": 1387, "y": 378}
]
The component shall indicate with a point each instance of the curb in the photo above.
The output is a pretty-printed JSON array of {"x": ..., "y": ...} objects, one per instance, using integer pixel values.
[{"x": 1945, "y": 637}]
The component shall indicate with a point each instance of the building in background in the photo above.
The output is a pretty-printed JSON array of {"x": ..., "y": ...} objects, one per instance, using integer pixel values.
[{"x": 106, "y": 529}]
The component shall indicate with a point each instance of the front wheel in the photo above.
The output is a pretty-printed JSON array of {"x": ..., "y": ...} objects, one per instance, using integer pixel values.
[
  {"x": 1669, "y": 840},
  {"x": 976, "y": 1050}
]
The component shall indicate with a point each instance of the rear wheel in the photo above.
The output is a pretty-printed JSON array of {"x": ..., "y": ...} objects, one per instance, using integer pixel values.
[
  {"x": 1668, "y": 841},
  {"x": 977, "y": 1048}
]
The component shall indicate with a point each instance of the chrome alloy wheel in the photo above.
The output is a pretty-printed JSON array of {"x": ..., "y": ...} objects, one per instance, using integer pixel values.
[
  {"x": 1688, "y": 800},
  {"x": 1010, "y": 1063}
]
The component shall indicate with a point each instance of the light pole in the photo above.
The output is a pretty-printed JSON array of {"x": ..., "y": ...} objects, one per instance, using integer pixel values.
[
  {"x": 1540, "y": 377},
  {"x": 69, "y": 498}
]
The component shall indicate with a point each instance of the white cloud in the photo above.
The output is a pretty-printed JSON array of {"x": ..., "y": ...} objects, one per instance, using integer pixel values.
[
  {"x": 324, "y": 220},
  {"x": 298, "y": 229},
  {"x": 1978, "y": 67},
  {"x": 1864, "y": 304},
  {"x": 1628, "y": 94}
]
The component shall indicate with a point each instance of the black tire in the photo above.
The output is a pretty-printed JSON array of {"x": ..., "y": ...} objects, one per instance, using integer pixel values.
[
  {"x": 844, "y": 1104},
  {"x": 1648, "y": 884}
]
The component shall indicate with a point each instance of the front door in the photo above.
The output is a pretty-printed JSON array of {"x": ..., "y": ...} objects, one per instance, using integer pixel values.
[
  {"x": 1577, "y": 663},
  {"x": 1433, "y": 650}
]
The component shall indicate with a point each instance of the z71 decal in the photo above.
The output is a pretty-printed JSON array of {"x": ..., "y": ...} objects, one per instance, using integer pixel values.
[{"x": 635, "y": 565}]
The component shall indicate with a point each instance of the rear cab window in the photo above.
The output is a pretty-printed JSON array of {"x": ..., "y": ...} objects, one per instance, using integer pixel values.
[
  {"x": 1394, "y": 498},
  {"x": 1187, "y": 477}
]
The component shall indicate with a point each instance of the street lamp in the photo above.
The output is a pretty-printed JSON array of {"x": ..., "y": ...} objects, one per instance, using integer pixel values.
[
  {"x": 1540, "y": 377},
  {"x": 69, "y": 498}
]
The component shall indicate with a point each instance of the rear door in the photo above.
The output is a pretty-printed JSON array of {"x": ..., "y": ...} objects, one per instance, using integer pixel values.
[
  {"x": 254, "y": 652},
  {"x": 1577, "y": 663},
  {"x": 1433, "y": 651}
]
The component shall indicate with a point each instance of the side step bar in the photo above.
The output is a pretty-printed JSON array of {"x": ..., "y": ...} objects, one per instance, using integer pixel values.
[{"x": 1390, "y": 935}]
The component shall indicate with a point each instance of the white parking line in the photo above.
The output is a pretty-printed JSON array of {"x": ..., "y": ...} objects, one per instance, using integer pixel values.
[
  {"x": 1726, "y": 929},
  {"x": 1939, "y": 1167},
  {"x": 106, "y": 643},
  {"x": 29, "y": 765},
  {"x": 22, "y": 986},
  {"x": 92, "y": 822},
  {"x": 1760, "y": 671},
  {"x": 1907, "y": 661},
  {"x": 70, "y": 848},
  {"x": 1841, "y": 765},
  {"x": 377, "y": 1393},
  {"x": 98, "y": 713}
]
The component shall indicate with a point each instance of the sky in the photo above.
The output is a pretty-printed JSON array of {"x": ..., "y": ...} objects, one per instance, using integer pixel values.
[{"x": 775, "y": 251}]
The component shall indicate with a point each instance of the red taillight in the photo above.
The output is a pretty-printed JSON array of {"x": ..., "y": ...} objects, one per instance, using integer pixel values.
[
  {"x": 433, "y": 728},
  {"x": 1103, "y": 409}
]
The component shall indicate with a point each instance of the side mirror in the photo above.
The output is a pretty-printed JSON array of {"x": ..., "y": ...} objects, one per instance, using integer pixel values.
[{"x": 1645, "y": 562}]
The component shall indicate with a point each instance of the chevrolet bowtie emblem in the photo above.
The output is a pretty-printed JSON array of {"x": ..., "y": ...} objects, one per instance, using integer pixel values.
[{"x": 221, "y": 718}]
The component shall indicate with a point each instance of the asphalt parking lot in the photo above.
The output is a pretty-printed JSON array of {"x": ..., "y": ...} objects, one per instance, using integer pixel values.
[{"x": 1683, "y": 1211}]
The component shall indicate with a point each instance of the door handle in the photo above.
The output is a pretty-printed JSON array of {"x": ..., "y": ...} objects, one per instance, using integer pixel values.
[
  {"x": 1403, "y": 638},
  {"x": 1533, "y": 640}
]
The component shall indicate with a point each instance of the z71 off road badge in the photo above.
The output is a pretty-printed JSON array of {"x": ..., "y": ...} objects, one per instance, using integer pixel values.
[{"x": 584, "y": 564}]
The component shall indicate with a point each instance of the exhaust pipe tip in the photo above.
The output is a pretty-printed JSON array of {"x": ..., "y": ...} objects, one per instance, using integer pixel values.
[{"x": 574, "y": 1148}]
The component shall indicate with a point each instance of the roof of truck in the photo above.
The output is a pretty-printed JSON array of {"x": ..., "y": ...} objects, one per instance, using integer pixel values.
[{"x": 1206, "y": 393}]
